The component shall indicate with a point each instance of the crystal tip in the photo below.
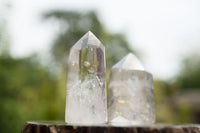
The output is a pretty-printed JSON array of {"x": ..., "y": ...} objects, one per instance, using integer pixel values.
[
  {"x": 129, "y": 62},
  {"x": 88, "y": 39}
]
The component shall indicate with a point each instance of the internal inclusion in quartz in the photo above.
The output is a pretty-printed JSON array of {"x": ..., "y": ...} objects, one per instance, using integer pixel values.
[
  {"x": 86, "y": 101},
  {"x": 131, "y": 99}
]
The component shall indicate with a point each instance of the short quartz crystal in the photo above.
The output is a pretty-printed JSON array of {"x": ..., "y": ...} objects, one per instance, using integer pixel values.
[
  {"x": 131, "y": 98},
  {"x": 86, "y": 101}
]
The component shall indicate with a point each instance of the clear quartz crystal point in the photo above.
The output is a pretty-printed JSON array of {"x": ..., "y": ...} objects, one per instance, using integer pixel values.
[
  {"x": 86, "y": 100},
  {"x": 131, "y": 98}
]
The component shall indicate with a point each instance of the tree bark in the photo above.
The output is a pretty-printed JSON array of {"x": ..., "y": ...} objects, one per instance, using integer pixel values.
[{"x": 57, "y": 127}]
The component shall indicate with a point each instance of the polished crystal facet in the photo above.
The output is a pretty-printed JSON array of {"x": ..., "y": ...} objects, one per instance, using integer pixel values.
[
  {"x": 86, "y": 101},
  {"x": 131, "y": 99}
]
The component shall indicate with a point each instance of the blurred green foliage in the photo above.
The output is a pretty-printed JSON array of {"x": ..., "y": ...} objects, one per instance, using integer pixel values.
[
  {"x": 4, "y": 38},
  {"x": 189, "y": 74},
  {"x": 29, "y": 91}
]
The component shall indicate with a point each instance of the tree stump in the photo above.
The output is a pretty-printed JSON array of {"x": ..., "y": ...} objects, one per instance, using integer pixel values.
[{"x": 61, "y": 127}]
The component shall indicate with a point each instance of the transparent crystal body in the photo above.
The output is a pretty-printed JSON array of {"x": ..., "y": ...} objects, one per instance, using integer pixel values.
[
  {"x": 86, "y": 100},
  {"x": 131, "y": 98}
]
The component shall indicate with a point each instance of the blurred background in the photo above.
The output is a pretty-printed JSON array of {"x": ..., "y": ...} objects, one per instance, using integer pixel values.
[{"x": 35, "y": 38}]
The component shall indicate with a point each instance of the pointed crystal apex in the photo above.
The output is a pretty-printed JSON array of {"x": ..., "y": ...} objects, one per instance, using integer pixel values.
[
  {"x": 129, "y": 62},
  {"x": 89, "y": 39}
]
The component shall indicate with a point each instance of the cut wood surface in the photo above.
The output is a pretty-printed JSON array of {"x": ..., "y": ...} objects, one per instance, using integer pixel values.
[{"x": 61, "y": 127}]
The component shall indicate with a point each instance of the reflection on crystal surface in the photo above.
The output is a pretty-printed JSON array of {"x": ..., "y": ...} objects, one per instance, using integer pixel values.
[
  {"x": 131, "y": 99},
  {"x": 86, "y": 91}
]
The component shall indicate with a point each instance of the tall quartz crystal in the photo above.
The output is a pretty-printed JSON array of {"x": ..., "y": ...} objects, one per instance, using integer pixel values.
[
  {"x": 86, "y": 101},
  {"x": 131, "y": 98}
]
